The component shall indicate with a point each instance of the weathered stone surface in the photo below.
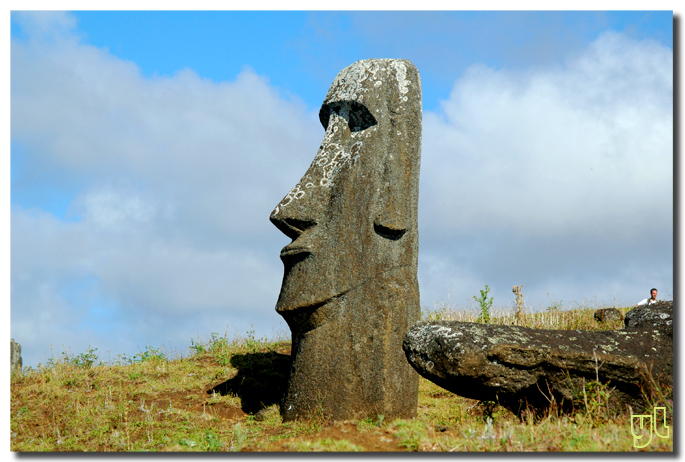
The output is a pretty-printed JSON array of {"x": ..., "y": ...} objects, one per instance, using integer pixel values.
[
  {"x": 519, "y": 366},
  {"x": 608, "y": 315},
  {"x": 349, "y": 291},
  {"x": 659, "y": 314},
  {"x": 15, "y": 357}
]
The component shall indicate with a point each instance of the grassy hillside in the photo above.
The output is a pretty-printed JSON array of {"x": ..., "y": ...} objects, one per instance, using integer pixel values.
[{"x": 223, "y": 396}]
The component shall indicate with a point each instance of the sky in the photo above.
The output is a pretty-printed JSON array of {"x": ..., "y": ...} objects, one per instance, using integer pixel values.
[{"x": 149, "y": 148}]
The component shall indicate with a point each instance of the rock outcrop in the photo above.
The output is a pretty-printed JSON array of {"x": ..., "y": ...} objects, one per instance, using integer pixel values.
[
  {"x": 350, "y": 291},
  {"x": 520, "y": 367}
]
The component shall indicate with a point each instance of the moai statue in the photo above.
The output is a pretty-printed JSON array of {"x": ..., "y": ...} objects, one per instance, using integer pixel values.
[
  {"x": 15, "y": 357},
  {"x": 350, "y": 291}
]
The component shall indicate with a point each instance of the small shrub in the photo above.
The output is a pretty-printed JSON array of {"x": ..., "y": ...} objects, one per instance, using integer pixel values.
[
  {"x": 485, "y": 305},
  {"x": 150, "y": 354},
  {"x": 85, "y": 360}
]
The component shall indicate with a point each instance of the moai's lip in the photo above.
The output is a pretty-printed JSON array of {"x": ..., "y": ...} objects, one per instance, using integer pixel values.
[{"x": 291, "y": 251}]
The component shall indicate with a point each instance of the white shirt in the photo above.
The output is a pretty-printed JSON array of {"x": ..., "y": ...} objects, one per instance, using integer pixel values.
[{"x": 647, "y": 301}]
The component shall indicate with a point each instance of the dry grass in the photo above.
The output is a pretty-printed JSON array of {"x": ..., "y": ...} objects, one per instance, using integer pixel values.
[
  {"x": 554, "y": 317},
  {"x": 152, "y": 403}
]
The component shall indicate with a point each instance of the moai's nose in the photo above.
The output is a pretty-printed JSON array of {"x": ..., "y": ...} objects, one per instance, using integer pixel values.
[
  {"x": 291, "y": 226},
  {"x": 295, "y": 213}
]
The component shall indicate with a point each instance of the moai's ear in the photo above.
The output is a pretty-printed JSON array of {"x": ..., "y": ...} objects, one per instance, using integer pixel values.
[
  {"x": 393, "y": 206},
  {"x": 394, "y": 210}
]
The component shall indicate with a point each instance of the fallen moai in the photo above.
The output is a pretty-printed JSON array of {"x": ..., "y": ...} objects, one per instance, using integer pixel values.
[
  {"x": 608, "y": 315},
  {"x": 349, "y": 291},
  {"x": 520, "y": 367}
]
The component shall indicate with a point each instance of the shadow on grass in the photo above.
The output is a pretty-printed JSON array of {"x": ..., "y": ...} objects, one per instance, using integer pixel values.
[{"x": 261, "y": 381}]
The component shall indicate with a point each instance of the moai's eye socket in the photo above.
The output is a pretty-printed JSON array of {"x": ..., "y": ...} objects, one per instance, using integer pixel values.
[
  {"x": 388, "y": 232},
  {"x": 357, "y": 115}
]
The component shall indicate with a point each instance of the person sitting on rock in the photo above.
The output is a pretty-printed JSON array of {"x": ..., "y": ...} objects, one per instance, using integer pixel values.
[{"x": 648, "y": 301}]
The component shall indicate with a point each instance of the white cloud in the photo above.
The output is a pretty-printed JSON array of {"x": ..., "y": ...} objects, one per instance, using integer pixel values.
[
  {"x": 178, "y": 178},
  {"x": 568, "y": 149},
  {"x": 575, "y": 159},
  {"x": 113, "y": 210}
]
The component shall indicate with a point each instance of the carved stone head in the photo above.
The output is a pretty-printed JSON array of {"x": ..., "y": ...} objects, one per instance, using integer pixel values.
[
  {"x": 352, "y": 216},
  {"x": 350, "y": 291}
]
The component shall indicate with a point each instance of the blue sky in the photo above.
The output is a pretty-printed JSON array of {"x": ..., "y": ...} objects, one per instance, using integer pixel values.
[
  {"x": 298, "y": 50},
  {"x": 148, "y": 149}
]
